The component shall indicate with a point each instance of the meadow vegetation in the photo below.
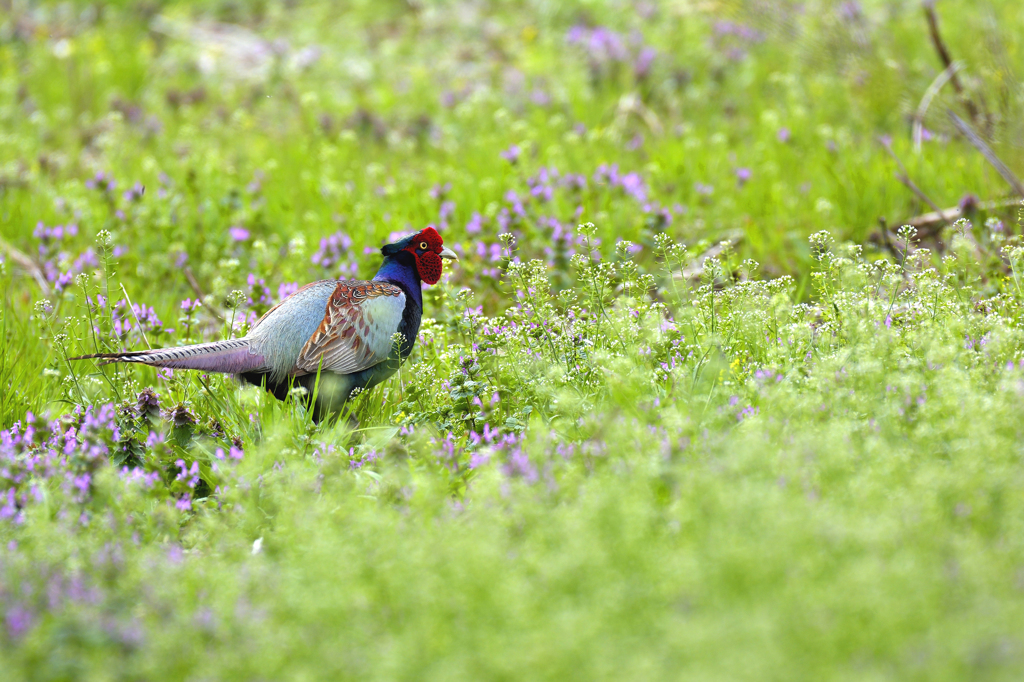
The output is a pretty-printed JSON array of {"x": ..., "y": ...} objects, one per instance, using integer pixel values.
[{"x": 692, "y": 405}]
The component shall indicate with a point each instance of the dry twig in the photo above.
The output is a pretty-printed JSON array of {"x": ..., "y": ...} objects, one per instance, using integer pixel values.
[
  {"x": 926, "y": 101},
  {"x": 27, "y": 264},
  {"x": 987, "y": 152},
  {"x": 947, "y": 61},
  {"x": 194, "y": 284},
  {"x": 904, "y": 177},
  {"x": 930, "y": 222}
]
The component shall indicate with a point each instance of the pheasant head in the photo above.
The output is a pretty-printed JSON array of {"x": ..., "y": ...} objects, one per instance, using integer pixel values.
[{"x": 426, "y": 249}]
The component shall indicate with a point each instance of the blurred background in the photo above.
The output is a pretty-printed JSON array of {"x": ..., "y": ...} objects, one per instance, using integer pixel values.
[
  {"x": 758, "y": 121},
  {"x": 744, "y": 477}
]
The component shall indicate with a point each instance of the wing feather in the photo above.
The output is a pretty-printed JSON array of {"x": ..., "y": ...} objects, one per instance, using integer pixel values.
[
  {"x": 265, "y": 315},
  {"x": 356, "y": 331}
]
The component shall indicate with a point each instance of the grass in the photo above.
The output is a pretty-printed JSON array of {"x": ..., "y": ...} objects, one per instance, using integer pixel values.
[{"x": 623, "y": 447}]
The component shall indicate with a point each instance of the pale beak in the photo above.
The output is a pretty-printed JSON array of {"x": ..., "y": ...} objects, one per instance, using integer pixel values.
[{"x": 448, "y": 254}]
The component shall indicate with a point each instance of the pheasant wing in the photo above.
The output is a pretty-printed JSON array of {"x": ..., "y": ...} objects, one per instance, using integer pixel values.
[
  {"x": 297, "y": 293},
  {"x": 356, "y": 331}
]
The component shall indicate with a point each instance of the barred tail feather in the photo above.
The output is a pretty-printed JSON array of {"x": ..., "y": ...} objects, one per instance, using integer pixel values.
[{"x": 229, "y": 357}]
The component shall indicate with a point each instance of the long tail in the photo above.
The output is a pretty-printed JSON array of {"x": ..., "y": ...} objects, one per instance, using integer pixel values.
[{"x": 232, "y": 356}]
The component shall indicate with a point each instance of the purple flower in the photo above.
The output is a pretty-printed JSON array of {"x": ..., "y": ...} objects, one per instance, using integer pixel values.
[
  {"x": 286, "y": 289},
  {"x": 135, "y": 192},
  {"x": 439, "y": 192},
  {"x": 333, "y": 251},
  {"x": 969, "y": 203},
  {"x": 747, "y": 412},
  {"x": 742, "y": 176},
  {"x": 238, "y": 234},
  {"x": 783, "y": 135},
  {"x": 519, "y": 465},
  {"x": 642, "y": 64},
  {"x": 102, "y": 182},
  {"x": 10, "y": 509},
  {"x": 360, "y": 462},
  {"x": 511, "y": 154},
  {"x": 180, "y": 416},
  {"x": 446, "y": 211},
  {"x": 601, "y": 44},
  {"x": 18, "y": 621},
  {"x": 478, "y": 459},
  {"x": 148, "y": 402},
  {"x": 744, "y": 33}
]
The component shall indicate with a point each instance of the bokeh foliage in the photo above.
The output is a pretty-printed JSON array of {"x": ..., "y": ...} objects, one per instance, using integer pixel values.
[{"x": 678, "y": 411}]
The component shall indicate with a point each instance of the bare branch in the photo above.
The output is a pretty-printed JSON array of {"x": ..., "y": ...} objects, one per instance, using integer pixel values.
[
  {"x": 194, "y": 283},
  {"x": 930, "y": 222},
  {"x": 926, "y": 101},
  {"x": 27, "y": 264},
  {"x": 904, "y": 177},
  {"x": 987, "y": 152},
  {"x": 947, "y": 61}
]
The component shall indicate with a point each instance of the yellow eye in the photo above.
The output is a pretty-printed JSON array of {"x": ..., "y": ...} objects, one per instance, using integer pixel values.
[{"x": 423, "y": 245}]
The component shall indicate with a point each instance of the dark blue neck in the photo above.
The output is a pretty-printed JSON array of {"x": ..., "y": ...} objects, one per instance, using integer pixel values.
[{"x": 401, "y": 270}]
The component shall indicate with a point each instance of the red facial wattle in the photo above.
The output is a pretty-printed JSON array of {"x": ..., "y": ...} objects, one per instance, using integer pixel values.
[
  {"x": 425, "y": 247},
  {"x": 429, "y": 266}
]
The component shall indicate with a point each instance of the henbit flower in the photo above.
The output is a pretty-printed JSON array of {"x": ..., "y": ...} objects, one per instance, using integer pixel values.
[
  {"x": 238, "y": 234},
  {"x": 135, "y": 192},
  {"x": 148, "y": 402},
  {"x": 519, "y": 465},
  {"x": 286, "y": 289},
  {"x": 969, "y": 203},
  {"x": 102, "y": 182},
  {"x": 188, "y": 304},
  {"x": 511, "y": 154},
  {"x": 333, "y": 250},
  {"x": 438, "y": 192},
  {"x": 445, "y": 212},
  {"x": 181, "y": 416},
  {"x": 643, "y": 62},
  {"x": 18, "y": 620}
]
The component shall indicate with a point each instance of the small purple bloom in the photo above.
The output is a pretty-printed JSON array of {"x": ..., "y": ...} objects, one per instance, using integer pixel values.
[
  {"x": 969, "y": 203},
  {"x": 642, "y": 65},
  {"x": 135, "y": 192},
  {"x": 478, "y": 459},
  {"x": 238, "y": 234},
  {"x": 18, "y": 621},
  {"x": 286, "y": 289},
  {"x": 439, "y": 191},
  {"x": 703, "y": 189},
  {"x": 511, "y": 154}
]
